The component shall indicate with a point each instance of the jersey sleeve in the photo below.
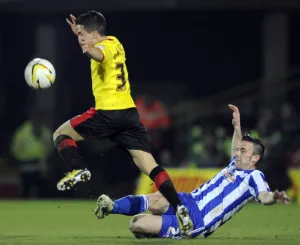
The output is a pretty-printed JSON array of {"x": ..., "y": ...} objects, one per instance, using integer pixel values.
[
  {"x": 258, "y": 183},
  {"x": 105, "y": 50}
]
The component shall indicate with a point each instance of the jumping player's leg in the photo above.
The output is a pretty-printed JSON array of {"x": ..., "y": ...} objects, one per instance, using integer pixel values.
[
  {"x": 134, "y": 138},
  {"x": 146, "y": 163},
  {"x": 65, "y": 138}
]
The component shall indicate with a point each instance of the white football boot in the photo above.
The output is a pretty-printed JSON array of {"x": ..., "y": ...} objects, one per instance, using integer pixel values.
[{"x": 104, "y": 206}]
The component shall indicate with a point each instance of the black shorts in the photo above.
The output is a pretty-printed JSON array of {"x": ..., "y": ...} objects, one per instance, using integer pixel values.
[{"x": 121, "y": 126}]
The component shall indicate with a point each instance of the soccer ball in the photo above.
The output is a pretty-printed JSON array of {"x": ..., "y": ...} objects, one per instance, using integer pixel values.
[{"x": 39, "y": 74}]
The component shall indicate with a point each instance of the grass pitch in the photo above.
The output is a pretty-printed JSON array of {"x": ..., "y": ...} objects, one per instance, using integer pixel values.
[{"x": 72, "y": 222}]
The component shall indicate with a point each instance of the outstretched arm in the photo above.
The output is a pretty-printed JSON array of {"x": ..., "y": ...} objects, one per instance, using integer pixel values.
[
  {"x": 260, "y": 189},
  {"x": 237, "y": 134}
]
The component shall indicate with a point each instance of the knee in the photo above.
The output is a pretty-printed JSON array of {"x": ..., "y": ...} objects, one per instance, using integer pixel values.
[
  {"x": 59, "y": 135},
  {"x": 155, "y": 204},
  {"x": 131, "y": 223},
  {"x": 56, "y": 134},
  {"x": 135, "y": 226},
  {"x": 62, "y": 130},
  {"x": 136, "y": 229}
]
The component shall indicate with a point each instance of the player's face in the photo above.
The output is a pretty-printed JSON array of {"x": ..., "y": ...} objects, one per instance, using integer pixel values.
[
  {"x": 245, "y": 159},
  {"x": 83, "y": 34}
]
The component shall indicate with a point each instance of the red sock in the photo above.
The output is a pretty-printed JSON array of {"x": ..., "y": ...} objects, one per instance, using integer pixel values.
[
  {"x": 164, "y": 184},
  {"x": 68, "y": 150},
  {"x": 66, "y": 143},
  {"x": 161, "y": 178}
]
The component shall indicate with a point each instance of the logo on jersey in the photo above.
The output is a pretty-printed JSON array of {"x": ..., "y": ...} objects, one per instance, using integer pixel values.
[
  {"x": 100, "y": 46},
  {"x": 228, "y": 175}
]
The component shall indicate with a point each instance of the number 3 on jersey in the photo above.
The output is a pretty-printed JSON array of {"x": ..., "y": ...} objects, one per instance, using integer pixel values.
[{"x": 121, "y": 76}]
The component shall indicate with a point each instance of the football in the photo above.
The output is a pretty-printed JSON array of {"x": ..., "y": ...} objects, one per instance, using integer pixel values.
[{"x": 40, "y": 73}]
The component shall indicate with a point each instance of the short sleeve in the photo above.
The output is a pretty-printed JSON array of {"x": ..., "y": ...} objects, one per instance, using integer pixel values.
[
  {"x": 105, "y": 50},
  {"x": 258, "y": 183}
]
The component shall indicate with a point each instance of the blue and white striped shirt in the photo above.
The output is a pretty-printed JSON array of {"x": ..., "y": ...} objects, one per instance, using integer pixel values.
[{"x": 226, "y": 194}]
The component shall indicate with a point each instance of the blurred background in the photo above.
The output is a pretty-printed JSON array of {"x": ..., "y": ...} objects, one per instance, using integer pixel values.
[{"x": 187, "y": 60}]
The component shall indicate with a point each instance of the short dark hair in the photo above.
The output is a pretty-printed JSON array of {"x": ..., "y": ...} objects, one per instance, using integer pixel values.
[
  {"x": 92, "y": 21},
  {"x": 258, "y": 146}
]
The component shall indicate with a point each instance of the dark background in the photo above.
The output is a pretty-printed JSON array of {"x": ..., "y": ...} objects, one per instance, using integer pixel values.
[{"x": 183, "y": 56}]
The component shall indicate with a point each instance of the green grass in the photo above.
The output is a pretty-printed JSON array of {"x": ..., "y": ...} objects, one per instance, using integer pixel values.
[{"x": 72, "y": 222}]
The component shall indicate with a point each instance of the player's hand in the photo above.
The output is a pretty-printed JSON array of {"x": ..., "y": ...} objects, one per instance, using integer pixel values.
[
  {"x": 72, "y": 24},
  {"x": 236, "y": 119},
  {"x": 281, "y": 197},
  {"x": 85, "y": 45}
]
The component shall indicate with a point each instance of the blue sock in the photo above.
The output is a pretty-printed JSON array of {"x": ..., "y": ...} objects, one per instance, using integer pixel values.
[{"x": 130, "y": 205}]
